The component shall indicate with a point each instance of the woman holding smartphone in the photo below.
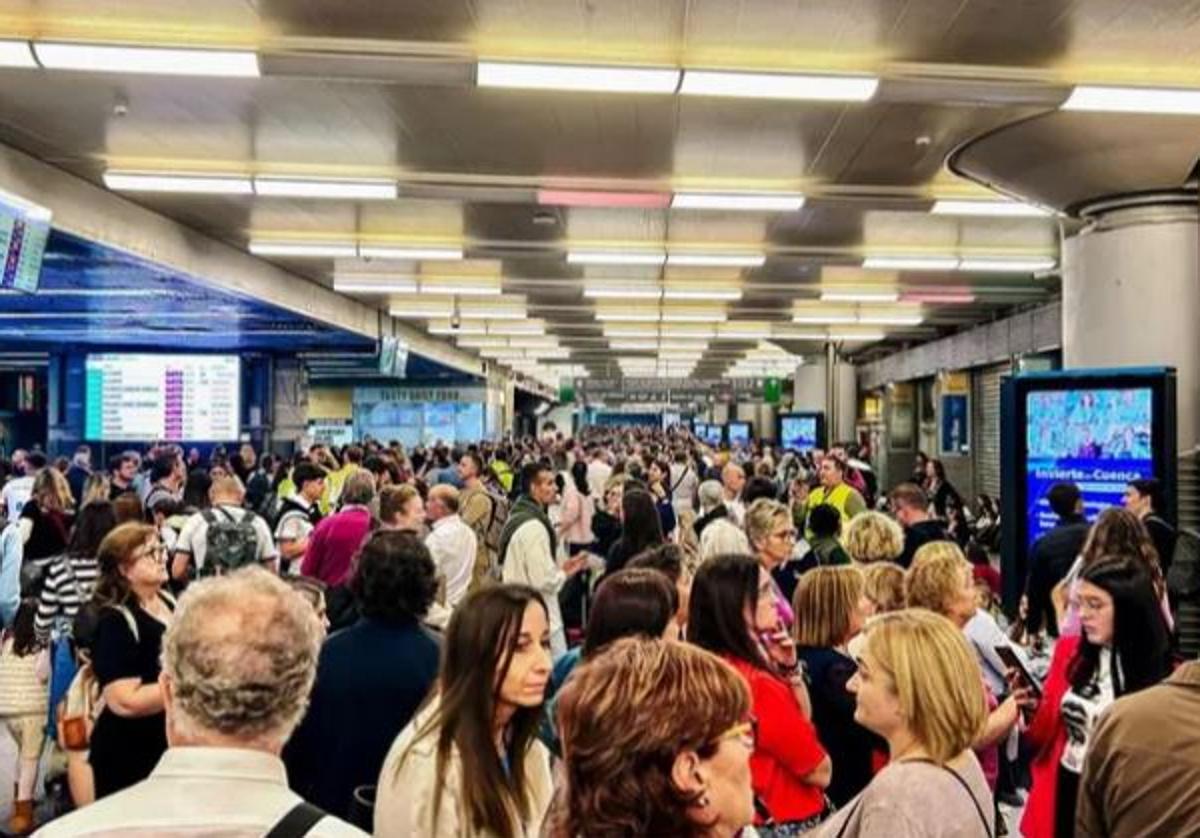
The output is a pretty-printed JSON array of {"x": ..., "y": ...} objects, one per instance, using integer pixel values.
[{"x": 733, "y": 614}]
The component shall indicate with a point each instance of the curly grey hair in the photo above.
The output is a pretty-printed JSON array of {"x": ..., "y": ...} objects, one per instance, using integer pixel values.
[{"x": 241, "y": 656}]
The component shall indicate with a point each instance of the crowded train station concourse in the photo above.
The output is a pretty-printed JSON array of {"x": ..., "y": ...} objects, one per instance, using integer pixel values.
[{"x": 599, "y": 418}]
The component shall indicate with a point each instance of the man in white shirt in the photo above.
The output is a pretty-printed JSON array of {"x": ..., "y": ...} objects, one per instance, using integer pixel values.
[
  {"x": 226, "y": 495},
  {"x": 451, "y": 542},
  {"x": 527, "y": 548},
  {"x": 598, "y": 472},
  {"x": 221, "y": 774},
  {"x": 299, "y": 515},
  {"x": 18, "y": 490},
  {"x": 733, "y": 479},
  {"x": 684, "y": 483}
]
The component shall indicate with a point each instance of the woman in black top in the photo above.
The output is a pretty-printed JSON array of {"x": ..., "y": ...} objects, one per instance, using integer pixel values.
[
  {"x": 130, "y": 735},
  {"x": 606, "y": 524},
  {"x": 941, "y": 493},
  {"x": 831, "y": 607},
  {"x": 641, "y": 528},
  {"x": 47, "y": 516}
]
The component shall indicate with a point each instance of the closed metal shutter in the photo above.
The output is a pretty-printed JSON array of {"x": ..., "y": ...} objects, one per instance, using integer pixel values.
[
  {"x": 1188, "y": 491},
  {"x": 985, "y": 443}
]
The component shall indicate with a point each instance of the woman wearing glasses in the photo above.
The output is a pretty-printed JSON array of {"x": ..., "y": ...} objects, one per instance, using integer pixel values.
[
  {"x": 772, "y": 537},
  {"x": 134, "y": 611}
]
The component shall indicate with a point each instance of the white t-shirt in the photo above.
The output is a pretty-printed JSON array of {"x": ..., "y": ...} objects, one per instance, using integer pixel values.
[
  {"x": 16, "y": 492},
  {"x": 193, "y": 539},
  {"x": 597, "y": 475},
  {"x": 1081, "y": 711}
]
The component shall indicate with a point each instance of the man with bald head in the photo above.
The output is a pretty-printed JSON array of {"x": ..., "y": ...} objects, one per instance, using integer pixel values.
[
  {"x": 451, "y": 542},
  {"x": 191, "y": 550},
  {"x": 733, "y": 478}
]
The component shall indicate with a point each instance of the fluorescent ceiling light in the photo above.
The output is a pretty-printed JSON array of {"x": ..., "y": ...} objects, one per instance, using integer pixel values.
[
  {"x": 680, "y": 345},
  {"x": 303, "y": 249},
  {"x": 600, "y": 293},
  {"x": 693, "y": 317},
  {"x": 717, "y": 260},
  {"x": 911, "y": 263},
  {"x": 942, "y": 297},
  {"x": 196, "y": 184},
  {"x": 365, "y": 285},
  {"x": 422, "y": 309},
  {"x": 816, "y": 319},
  {"x": 779, "y": 86},
  {"x": 1009, "y": 209},
  {"x": 615, "y": 257},
  {"x": 745, "y": 201},
  {"x": 16, "y": 54},
  {"x": 860, "y": 296},
  {"x": 529, "y": 327},
  {"x": 587, "y": 198},
  {"x": 103, "y": 58},
  {"x": 416, "y": 252},
  {"x": 576, "y": 77},
  {"x": 473, "y": 342},
  {"x": 633, "y": 345},
  {"x": 696, "y": 294},
  {"x": 856, "y": 336},
  {"x": 1008, "y": 265},
  {"x": 630, "y": 332},
  {"x": 286, "y": 187},
  {"x": 891, "y": 319},
  {"x": 491, "y": 313},
  {"x": 462, "y": 287},
  {"x": 1154, "y": 100}
]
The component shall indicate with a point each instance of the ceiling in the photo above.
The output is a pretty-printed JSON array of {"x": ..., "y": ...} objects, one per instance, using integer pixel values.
[{"x": 388, "y": 90}]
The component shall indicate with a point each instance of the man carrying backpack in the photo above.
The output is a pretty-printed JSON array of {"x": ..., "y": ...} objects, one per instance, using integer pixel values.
[
  {"x": 224, "y": 537},
  {"x": 485, "y": 513}
]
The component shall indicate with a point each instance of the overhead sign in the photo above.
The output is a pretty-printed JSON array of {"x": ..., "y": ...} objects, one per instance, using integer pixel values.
[{"x": 669, "y": 390}]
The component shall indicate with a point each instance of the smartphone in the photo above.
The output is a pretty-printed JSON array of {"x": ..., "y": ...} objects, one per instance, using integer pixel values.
[{"x": 1013, "y": 660}]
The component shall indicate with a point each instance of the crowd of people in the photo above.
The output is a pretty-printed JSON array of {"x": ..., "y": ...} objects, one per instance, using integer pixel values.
[{"x": 624, "y": 632}]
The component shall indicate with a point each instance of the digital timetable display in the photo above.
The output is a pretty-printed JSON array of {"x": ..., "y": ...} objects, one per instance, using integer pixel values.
[{"x": 194, "y": 398}]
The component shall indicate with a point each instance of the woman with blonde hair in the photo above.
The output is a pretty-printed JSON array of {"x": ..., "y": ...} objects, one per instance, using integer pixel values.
[
  {"x": 633, "y": 769},
  {"x": 46, "y": 518},
  {"x": 831, "y": 607},
  {"x": 941, "y": 580},
  {"x": 918, "y": 686},
  {"x": 873, "y": 537},
  {"x": 772, "y": 539}
]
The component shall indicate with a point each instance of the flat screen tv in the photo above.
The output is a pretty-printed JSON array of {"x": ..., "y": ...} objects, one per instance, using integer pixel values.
[
  {"x": 801, "y": 431},
  {"x": 739, "y": 433},
  {"x": 1098, "y": 429}
]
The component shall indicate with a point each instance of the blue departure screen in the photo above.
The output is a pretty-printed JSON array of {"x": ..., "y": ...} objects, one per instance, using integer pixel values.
[
  {"x": 1098, "y": 439},
  {"x": 798, "y": 432}
]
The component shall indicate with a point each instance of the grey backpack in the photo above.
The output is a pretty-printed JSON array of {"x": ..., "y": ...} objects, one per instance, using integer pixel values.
[{"x": 232, "y": 543}]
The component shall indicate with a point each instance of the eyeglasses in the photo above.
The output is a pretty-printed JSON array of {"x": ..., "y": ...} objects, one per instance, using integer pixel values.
[
  {"x": 156, "y": 551},
  {"x": 785, "y": 535},
  {"x": 746, "y": 731}
]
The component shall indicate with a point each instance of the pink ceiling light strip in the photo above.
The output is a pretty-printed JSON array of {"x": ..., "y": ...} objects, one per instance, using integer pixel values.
[
  {"x": 938, "y": 297},
  {"x": 576, "y": 198}
]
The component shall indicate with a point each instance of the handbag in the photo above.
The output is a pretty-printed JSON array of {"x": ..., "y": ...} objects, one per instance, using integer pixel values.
[{"x": 77, "y": 711}]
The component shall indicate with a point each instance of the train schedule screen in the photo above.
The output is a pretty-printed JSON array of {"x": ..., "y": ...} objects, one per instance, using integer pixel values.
[{"x": 176, "y": 398}]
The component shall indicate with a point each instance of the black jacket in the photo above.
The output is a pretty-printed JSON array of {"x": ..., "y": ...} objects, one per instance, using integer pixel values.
[
  {"x": 1163, "y": 535},
  {"x": 920, "y": 534},
  {"x": 1049, "y": 560},
  {"x": 708, "y": 517}
]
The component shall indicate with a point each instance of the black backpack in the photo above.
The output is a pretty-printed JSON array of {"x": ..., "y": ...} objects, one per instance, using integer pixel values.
[{"x": 232, "y": 543}]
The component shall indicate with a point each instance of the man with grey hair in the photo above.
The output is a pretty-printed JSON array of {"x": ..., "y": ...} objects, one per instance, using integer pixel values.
[
  {"x": 718, "y": 534},
  {"x": 239, "y": 660},
  {"x": 335, "y": 541}
]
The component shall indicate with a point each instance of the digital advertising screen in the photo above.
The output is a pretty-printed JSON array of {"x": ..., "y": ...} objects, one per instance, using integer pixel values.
[
  {"x": 700, "y": 429},
  {"x": 176, "y": 398},
  {"x": 1096, "y": 439},
  {"x": 1098, "y": 429},
  {"x": 800, "y": 431},
  {"x": 712, "y": 434},
  {"x": 739, "y": 433}
]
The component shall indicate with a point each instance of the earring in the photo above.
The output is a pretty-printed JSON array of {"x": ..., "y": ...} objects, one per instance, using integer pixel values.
[{"x": 704, "y": 801}]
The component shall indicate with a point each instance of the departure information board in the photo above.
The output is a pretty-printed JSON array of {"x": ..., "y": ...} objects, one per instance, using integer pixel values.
[
  {"x": 132, "y": 398},
  {"x": 24, "y": 229}
]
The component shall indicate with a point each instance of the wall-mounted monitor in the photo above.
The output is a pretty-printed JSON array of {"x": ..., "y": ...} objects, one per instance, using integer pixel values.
[
  {"x": 1098, "y": 429},
  {"x": 739, "y": 433},
  {"x": 801, "y": 431},
  {"x": 177, "y": 398},
  {"x": 700, "y": 429}
]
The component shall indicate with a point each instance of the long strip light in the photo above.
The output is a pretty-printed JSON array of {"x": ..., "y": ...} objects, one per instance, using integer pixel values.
[
  {"x": 693, "y": 316},
  {"x": 1151, "y": 100},
  {"x": 358, "y": 284},
  {"x": 829, "y": 88},
  {"x": 999, "y": 209},
  {"x": 717, "y": 260},
  {"x": 604, "y": 292},
  {"x": 1008, "y": 265},
  {"x": 728, "y": 294},
  {"x": 616, "y": 257},
  {"x": 16, "y": 54},
  {"x": 332, "y": 250},
  {"x": 168, "y": 61},
  {"x": 823, "y": 319},
  {"x": 629, "y": 316},
  {"x": 890, "y": 319},
  {"x": 737, "y": 201},
  {"x": 859, "y": 296},
  {"x": 911, "y": 263},
  {"x": 430, "y": 254},
  {"x": 195, "y": 184},
  {"x": 353, "y": 189},
  {"x": 610, "y": 79}
]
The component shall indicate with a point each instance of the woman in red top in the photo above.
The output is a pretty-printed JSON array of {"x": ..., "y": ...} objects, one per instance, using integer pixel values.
[
  {"x": 733, "y": 614},
  {"x": 1124, "y": 647}
]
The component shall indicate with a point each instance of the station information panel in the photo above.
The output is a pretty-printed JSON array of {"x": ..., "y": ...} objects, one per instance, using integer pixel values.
[{"x": 131, "y": 398}]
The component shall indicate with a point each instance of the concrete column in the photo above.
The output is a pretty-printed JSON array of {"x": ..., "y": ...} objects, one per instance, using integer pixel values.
[
  {"x": 811, "y": 392},
  {"x": 1131, "y": 295},
  {"x": 289, "y": 403}
]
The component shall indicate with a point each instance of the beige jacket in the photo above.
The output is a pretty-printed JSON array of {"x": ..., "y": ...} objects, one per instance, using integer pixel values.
[{"x": 404, "y": 802}]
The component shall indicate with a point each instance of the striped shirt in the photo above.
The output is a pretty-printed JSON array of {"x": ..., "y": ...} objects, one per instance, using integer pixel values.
[{"x": 61, "y": 597}]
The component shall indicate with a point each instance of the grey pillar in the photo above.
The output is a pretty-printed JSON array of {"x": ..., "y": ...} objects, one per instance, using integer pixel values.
[{"x": 1131, "y": 295}]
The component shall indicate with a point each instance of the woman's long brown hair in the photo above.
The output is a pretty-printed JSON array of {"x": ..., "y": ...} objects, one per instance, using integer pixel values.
[
  {"x": 480, "y": 642},
  {"x": 112, "y": 588}
]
